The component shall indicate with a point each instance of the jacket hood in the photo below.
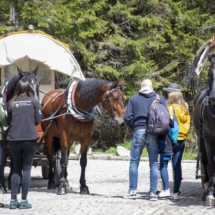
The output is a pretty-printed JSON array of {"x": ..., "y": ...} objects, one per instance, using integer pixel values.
[{"x": 146, "y": 92}]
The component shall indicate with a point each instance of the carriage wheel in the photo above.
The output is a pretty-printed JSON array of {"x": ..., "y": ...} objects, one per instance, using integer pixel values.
[
  {"x": 57, "y": 169},
  {"x": 45, "y": 172}
]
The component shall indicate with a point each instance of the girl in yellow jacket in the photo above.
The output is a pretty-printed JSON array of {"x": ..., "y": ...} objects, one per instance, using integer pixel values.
[{"x": 177, "y": 106}]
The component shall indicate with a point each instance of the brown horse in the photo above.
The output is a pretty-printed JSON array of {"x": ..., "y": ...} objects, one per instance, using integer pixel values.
[{"x": 71, "y": 114}]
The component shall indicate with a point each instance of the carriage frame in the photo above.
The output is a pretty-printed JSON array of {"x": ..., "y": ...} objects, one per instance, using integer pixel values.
[{"x": 25, "y": 49}]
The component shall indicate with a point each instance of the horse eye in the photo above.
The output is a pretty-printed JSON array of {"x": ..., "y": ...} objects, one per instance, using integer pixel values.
[{"x": 115, "y": 99}]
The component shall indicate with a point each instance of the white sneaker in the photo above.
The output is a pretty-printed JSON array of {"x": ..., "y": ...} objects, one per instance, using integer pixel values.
[
  {"x": 153, "y": 197},
  {"x": 164, "y": 193},
  {"x": 132, "y": 194},
  {"x": 174, "y": 196}
]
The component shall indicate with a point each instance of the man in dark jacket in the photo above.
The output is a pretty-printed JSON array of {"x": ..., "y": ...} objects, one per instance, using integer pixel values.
[{"x": 135, "y": 117}]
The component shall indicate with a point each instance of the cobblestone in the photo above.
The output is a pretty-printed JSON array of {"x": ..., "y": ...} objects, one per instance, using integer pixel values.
[{"x": 108, "y": 182}]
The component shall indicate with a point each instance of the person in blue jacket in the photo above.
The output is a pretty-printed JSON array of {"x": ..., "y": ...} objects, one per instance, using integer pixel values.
[{"x": 135, "y": 117}]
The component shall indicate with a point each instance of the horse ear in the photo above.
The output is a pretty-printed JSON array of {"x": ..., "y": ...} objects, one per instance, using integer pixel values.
[
  {"x": 114, "y": 84},
  {"x": 121, "y": 83},
  {"x": 35, "y": 71},
  {"x": 210, "y": 58},
  {"x": 21, "y": 73}
]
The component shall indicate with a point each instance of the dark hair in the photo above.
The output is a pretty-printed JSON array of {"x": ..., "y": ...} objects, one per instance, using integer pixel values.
[{"x": 23, "y": 87}]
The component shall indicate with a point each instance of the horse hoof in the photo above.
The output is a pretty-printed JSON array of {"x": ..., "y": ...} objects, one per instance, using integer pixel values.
[
  {"x": 204, "y": 195},
  {"x": 51, "y": 186},
  {"x": 62, "y": 191},
  {"x": 209, "y": 201},
  {"x": 84, "y": 190},
  {"x": 3, "y": 190}
]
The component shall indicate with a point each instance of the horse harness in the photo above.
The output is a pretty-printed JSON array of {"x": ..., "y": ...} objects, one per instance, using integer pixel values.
[
  {"x": 72, "y": 110},
  {"x": 207, "y": 105}
]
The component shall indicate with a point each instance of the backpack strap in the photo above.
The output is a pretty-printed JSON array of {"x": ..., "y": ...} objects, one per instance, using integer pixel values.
[{"x": 158, "y": 98}]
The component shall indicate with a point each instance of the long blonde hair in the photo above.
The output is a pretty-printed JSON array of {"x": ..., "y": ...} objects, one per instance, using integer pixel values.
[{"x": 176, "y": 97}]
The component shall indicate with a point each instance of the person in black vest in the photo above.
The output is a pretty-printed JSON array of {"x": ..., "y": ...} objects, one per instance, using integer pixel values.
[
  {"x": 24, "y": 113},
  {"x": 3, "y": 123},
  {"x": 135, "y": 118}
]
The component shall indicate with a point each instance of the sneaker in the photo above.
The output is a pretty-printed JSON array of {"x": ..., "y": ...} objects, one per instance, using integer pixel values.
[
  {"x": 25, "y": 205},
  {"x": 14, "y": 204},
  {"x": 132, "y": 194},
  {"x": 164, "y": 193},
  {"x": 174, "y": 196},
  {"x": 153, "y": 197}
]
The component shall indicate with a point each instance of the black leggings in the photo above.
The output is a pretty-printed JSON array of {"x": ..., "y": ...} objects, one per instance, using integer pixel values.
[
  {"x": 22, "y": 153},
  {"x": 2, "y": 161}
]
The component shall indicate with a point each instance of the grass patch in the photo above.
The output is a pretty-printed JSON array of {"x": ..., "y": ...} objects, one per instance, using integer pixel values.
[
  {"x": 187, "y": 155},
  {"x": 127, "y": 145}
]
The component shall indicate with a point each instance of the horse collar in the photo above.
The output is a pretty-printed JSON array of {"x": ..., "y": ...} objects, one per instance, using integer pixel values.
[{"x": 82, "y": 117}]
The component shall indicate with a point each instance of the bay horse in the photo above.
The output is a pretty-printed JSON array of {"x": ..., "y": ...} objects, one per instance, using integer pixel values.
[
  {"x": 204, "y": 125},
  {"x": 67, "y": 128},
  {"x": 7, "y": 94}
]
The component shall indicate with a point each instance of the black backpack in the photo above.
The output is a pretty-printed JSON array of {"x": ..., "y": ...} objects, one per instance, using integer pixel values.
[{"x": 158, "y": 118}]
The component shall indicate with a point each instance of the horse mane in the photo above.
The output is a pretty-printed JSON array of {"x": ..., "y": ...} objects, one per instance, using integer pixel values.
[
  {"x": 13, "y": 82},
  {"x": 89, "y": 88}
]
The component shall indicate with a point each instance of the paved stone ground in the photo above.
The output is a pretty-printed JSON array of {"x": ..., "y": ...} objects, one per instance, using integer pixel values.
[{"x": 108, "y": 182}]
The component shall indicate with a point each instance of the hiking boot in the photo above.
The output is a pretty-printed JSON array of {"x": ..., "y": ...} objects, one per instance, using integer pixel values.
[
  {"x": 164, "y": 193},
  {"x": 25, "y": 205},
  {"x": 14, "y": 204},
  {"x": 174, "y": 196},
  {"x": 132, "y": 194},
  {"x": 153, "y": 197}
]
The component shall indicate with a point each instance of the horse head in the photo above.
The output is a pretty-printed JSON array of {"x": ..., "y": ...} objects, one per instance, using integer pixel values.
[
  {"x": 31, "y": 77},
  {"x": 211, "y": 79},
  {"x": 113, "y": 102}
]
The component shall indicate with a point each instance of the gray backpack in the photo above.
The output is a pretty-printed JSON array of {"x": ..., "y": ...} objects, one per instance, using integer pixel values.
[{"x": 158, "y": 118}]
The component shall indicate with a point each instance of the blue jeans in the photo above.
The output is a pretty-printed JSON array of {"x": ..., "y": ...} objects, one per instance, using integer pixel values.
[
  {"x": 176, "y": 163},
  {"x": 164, "y": 173},
  {"x": 138, "y": 143}
]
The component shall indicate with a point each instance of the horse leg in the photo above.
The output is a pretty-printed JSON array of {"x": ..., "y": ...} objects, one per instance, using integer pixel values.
[
  {"x": 204, "y": 162},
  {"x": 49, "y": 152},
  {"x": 210, "y": 170},
  {"x": 67, "y": 182},
  {"x": 83, "y": 162},
  {"x": 62, "y": 189},
  {"x": 10, "y": 174}
]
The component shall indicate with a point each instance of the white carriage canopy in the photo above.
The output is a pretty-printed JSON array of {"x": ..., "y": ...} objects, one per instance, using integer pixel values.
[
  {"x": 201, "y": 56},
  {"x": 41, "y": 47}
]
